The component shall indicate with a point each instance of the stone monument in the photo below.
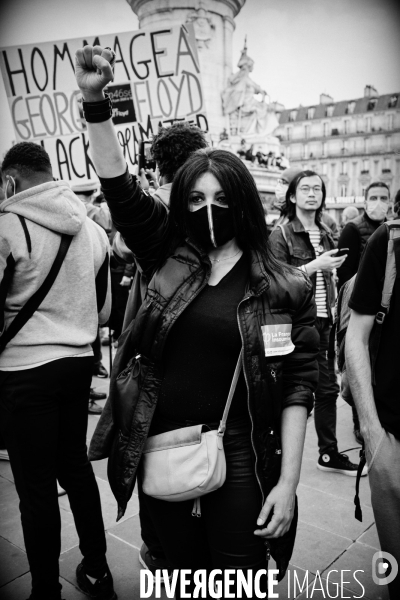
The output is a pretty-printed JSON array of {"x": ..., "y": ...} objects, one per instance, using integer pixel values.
[
  {"x": 213, "y": 22},
  {"x": 250, "y": 119}
]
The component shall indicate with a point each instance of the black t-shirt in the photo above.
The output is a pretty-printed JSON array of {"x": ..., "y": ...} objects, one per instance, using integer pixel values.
[
  {"x": 201, "y": 354},
  {"x": 366, "y": 299}
]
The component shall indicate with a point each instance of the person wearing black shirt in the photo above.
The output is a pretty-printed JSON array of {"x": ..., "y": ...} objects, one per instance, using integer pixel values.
[
  {"x": 356, "y": 232},
  {"x": 215, "y": 293},
  {"x": 378, "y": 404}
]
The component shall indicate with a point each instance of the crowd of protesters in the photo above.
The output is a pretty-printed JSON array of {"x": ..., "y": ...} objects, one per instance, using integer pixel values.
[{"x": 186, "y": 269}]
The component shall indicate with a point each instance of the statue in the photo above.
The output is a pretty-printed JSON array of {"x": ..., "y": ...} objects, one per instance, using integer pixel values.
[{"x": 238, "y": 100}]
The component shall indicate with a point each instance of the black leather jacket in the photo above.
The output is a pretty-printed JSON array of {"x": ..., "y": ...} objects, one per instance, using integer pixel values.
[
  {"x": 294, "y": 247},
  {"x": 272, "y": 383}
]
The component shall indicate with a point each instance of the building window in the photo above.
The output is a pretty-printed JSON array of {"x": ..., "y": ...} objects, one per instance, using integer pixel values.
[
  {"x": 324, "y": 168},
  {"x": 346, "y": 124},
  {"x": 324, "y": 148},
  {"x": 369, "y": 123},
  {"x": 393, "y": 101},
  {"x": 292, "y": 115},
  {"x": 333, "y": 170},
  {"x": 388, "y": 164},
  {"x": 325, "y": 129},
  {"x": 343, "y": 190},
  {"x": 344, "y": 146},
  {"x": 372, "y": 103},
  {"x": 289, "y": 133},
  {"x": 307, "y": 131},
  {"x": 366, "y": 145},
  {"x": 350, "y": 107},
  {"x": 388, "y": 143},
  {"x": 344, "y": 167},
  {"x": 376, "y": 167},
  {"x": 329, "y": 110},
  {"x": 305, "y": 151},
  {"x": 390, "y": 121},
  {"x": 365, "y": 165},
  {"x": 310, "y": 112}
]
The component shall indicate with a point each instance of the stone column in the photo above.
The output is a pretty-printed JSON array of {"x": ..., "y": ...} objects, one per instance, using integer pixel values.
[{"x": 213, "y": 22}]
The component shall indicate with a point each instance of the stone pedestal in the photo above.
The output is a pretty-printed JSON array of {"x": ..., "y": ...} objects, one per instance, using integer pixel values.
[{"x": 213, "y": 22}]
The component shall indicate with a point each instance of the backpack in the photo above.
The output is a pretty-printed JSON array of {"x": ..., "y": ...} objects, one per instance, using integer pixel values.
[{"x": 337, "y": 340}]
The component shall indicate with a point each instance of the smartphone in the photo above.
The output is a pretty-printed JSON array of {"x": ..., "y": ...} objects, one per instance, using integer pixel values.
[
  {"x": 341, "y": 252},
  {"x": 145, "y": 159}
]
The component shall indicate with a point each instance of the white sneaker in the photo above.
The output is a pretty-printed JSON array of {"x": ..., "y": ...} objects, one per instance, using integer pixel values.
[{"x": 4, "y": 455}]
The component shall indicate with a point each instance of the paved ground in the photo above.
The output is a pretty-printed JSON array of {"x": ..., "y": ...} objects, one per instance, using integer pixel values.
[{"x": 329, "y": 538}]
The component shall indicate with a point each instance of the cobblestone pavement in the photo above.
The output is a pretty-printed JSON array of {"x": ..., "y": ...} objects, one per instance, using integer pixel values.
[{"x": 329, "y": 539}]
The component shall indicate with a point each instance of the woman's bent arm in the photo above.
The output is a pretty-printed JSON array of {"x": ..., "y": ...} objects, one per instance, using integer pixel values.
[{"x": 281, "y": 499}]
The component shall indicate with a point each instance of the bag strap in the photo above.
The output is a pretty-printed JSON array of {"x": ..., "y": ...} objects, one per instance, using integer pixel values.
[
  {"x": 35, "y": 301},
  {"x": 390, "y": 276},
  {"x": 222, "y": 425}
]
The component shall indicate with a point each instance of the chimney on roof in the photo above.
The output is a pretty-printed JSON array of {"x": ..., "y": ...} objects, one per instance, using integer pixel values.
[
  {"x": 370, "y": 91},
  {"x": 325, "y": 99}
]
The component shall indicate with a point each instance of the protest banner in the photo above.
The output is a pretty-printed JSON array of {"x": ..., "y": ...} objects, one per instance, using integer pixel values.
[{"x": 157, "y": 81}]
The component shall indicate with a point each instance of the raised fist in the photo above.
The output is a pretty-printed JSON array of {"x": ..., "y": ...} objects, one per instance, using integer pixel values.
[{"x": 93, "y": 71}]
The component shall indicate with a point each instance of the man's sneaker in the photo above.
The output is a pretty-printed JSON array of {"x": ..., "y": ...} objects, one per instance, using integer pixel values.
[
  {"x": 100, "y": 371},
  {"x": 93, "y": 395},
  {"x": 4, "y": 454},
  {"x": 152, "y": 563},
  {"x": 337, "y": 462},
  {"x": 102, "y": 589}
]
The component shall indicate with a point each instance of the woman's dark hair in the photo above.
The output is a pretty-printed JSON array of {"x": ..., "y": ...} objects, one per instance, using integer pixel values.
[
  {"x": 240, "y": 189},
  {"x": 292, "y": 189}
]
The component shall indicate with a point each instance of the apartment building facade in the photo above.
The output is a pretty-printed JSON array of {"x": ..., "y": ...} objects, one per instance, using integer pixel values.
[{"x": 350, "y": 143}]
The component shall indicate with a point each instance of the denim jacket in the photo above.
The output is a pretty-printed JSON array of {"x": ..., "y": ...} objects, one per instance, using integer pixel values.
[{"x": 291, "y": 244}]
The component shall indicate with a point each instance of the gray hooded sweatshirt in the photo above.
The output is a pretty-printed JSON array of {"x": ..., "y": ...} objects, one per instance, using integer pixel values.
[{"x": 66, "y": 322}]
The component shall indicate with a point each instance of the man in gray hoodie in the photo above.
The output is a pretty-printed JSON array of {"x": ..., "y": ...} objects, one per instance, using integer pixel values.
[{"x": 46, "y": 369}]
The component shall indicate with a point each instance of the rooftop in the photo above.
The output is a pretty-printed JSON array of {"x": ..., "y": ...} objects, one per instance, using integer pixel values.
[{"x": 323, "y": 110}]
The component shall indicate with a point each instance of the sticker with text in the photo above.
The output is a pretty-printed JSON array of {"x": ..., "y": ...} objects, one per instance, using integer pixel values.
[{"x": 277, "y": 339}]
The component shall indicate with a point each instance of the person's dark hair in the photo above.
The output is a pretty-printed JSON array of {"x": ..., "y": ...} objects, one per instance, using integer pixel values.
[
  {"x": 28, "y": 159},
  {"x": 291, "y": 191},
  {"x": 376, "y": 184},
  {"x": 172, "y": 146},
  {"x": 240, "y": 189}
]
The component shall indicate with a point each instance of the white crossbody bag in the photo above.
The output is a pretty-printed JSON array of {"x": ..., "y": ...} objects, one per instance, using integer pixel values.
[{"x": 187, "y": 463}]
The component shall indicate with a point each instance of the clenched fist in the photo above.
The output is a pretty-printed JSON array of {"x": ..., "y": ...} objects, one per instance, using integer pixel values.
[{"x": 93, "y": 71}]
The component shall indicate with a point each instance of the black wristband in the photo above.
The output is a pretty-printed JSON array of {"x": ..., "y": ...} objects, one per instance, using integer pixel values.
[{"x": 97, "y": 112}]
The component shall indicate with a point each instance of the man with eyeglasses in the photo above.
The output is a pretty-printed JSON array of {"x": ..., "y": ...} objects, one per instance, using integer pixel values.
[
  {"x": 357, "y": 232},
  {"x": 281, "y": 188},
  {"x": 304, "y": 241}
]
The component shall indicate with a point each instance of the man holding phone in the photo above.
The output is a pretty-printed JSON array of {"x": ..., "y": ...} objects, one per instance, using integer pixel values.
[{"x": 306, "y": 242}]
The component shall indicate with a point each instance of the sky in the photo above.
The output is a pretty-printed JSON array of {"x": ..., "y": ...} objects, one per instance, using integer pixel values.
[{"x": 301, "y": 48}]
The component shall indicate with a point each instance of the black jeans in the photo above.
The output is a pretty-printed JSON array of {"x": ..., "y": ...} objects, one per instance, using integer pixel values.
[
  {"x": 326, "y": 393},
  {"x": 223, "y": 537},
  {"x": 43, "y": 417}
]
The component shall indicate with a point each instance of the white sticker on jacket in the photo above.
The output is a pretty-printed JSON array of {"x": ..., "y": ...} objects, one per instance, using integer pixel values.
[{"x": 277, "y": 339}]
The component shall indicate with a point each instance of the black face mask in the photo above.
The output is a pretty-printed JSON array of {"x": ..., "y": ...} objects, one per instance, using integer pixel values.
[{"x": 200, "y": 228}]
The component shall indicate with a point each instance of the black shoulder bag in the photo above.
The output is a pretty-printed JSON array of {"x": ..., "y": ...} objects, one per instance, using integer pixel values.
[{"x": 35, "y": 301}]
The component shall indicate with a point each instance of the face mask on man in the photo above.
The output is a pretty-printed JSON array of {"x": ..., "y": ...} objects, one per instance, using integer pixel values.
[
  {"x": 211, "y": 226},
  {"x": 376, "y": 209}
]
